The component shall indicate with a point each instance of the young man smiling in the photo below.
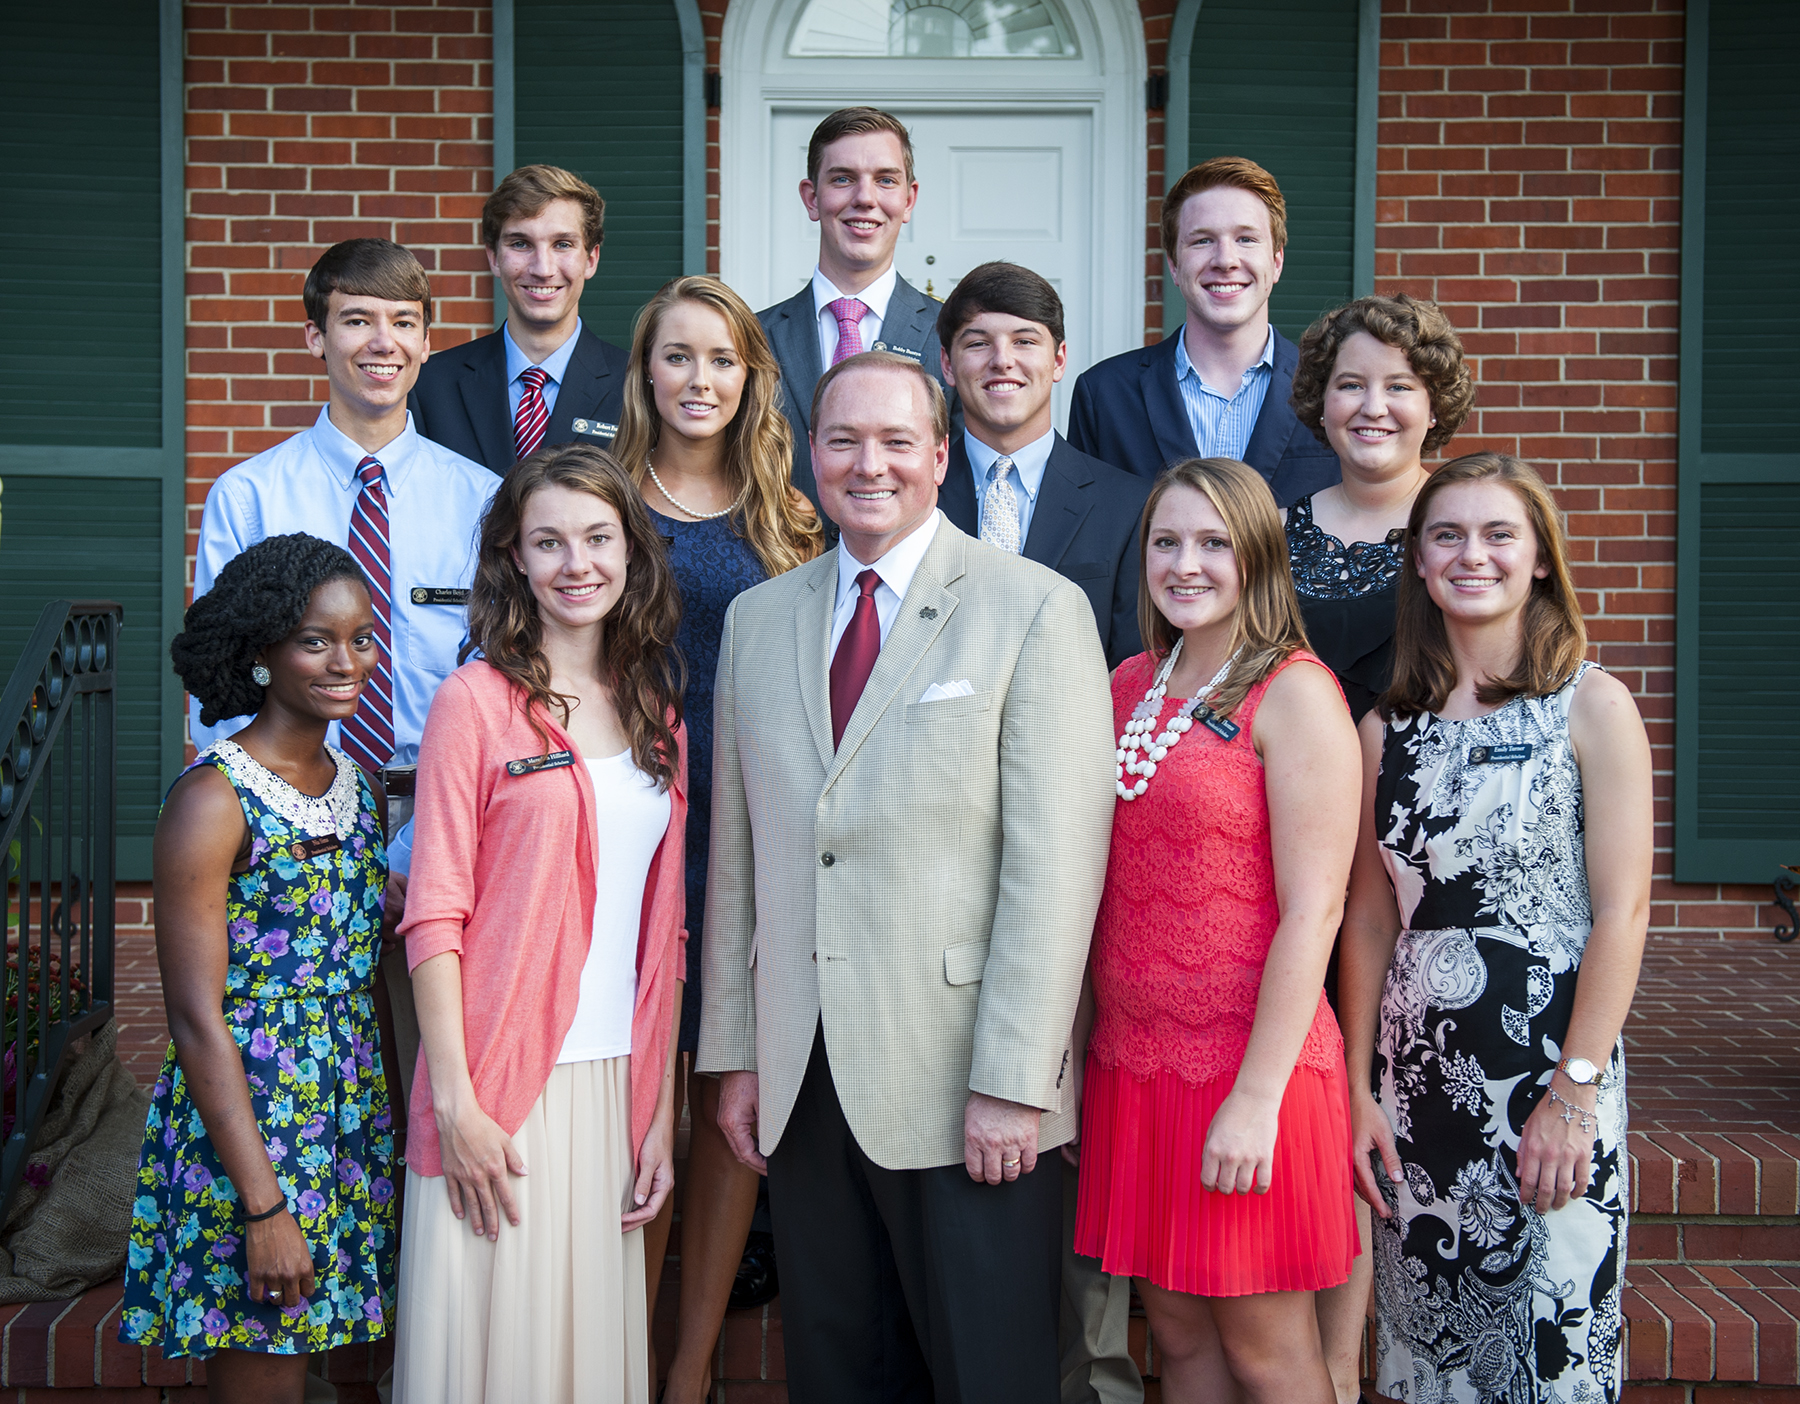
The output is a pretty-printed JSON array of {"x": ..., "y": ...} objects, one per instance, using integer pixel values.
[
  {"x": 859, "y": 189},
  {"x": 1013, "y": 480},
  {"x": 406, "y": 508},
  {"x": 1219, "y": 387},
  {"x": 543, "y": 378}
]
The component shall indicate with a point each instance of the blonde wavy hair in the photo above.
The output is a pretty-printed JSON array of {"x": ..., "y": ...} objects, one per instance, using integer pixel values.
[{"x": 773, "y": 515}]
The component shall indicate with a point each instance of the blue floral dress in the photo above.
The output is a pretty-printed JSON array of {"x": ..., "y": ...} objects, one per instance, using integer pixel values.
[{"x": 304, "y": 924}]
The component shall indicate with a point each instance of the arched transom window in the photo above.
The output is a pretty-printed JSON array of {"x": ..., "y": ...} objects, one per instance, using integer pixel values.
[{"x": 933, "y": 29}]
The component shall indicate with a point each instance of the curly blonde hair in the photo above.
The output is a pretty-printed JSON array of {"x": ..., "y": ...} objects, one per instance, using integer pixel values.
[{"x": 772, "y": 515}]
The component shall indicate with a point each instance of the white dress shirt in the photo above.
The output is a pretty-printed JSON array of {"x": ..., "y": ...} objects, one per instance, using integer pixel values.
[
  {"x": 1026, "y": 478},
  {"x": 896, "y": 570},
  {"x": 555, "y": 367},
  {"x": 874, "y": 297}
]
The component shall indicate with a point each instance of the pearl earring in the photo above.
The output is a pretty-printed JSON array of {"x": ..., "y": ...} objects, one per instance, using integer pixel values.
[{"x": 259, "y": 675}]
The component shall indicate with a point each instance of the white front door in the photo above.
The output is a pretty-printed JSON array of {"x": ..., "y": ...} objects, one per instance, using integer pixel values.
[{"x": 1015, "y": 185}]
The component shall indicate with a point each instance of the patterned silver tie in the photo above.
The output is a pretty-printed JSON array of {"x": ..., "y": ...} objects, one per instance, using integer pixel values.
[{"x": 1000, "y": 509}]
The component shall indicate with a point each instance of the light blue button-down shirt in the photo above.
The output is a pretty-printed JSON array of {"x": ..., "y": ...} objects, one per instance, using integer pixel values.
[
  {"x": 1026, "y": 478},
  {"x": 308, "y": 483},
  {"x": 555, "y": 366},
  {"x": 1222, "y": 424}
]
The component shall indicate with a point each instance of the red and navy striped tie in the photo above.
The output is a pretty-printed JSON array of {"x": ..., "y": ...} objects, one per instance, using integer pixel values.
[
  {"x": 368, "y": 737},
  {"x": 533, "y": 416}
]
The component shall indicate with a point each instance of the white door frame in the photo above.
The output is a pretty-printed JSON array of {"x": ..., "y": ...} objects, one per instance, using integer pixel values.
[{"x": 1107, "y": 81}]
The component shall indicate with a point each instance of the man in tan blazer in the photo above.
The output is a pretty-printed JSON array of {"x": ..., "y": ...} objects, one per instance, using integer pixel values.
[{"x": 912, "y": 800}]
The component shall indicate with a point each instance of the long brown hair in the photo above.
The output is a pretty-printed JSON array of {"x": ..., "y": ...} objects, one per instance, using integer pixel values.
[
  {"x": 773, "y": 516},
  {"x": 1267, "y": 625},
  {"x": 1555, "y": 639},
  {"x": 637, "y": 654}
]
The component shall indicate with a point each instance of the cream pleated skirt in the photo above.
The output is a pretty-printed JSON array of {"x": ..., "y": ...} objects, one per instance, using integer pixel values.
[{"x": 554, "y": 1312}]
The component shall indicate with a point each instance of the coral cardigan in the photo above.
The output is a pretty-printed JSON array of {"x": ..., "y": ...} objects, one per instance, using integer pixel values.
[{"x": 503, "y": 874}]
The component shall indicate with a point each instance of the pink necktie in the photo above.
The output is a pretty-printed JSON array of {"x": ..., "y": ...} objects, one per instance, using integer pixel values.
[
  {"x": 855, "y": 656},
  {"x": 368, "y": 736},
  {"x": 849, "y": 313},
  {"x": 533, "y": 416}
]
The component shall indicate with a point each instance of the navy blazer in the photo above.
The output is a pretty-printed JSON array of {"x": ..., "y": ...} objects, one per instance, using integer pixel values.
[
  {"x": 1084, "y": 526},
  {"x": 909, "y": 328},
  {"x": 460, "y": 400},
  {"x": 1128, "y": 411}
]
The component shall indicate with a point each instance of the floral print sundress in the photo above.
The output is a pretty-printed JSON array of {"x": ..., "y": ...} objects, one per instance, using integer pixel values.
[{"x": 304, "y": 927}]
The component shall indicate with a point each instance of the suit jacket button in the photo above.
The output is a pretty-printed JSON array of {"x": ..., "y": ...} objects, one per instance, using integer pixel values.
[{"x": 827, "y": 858}]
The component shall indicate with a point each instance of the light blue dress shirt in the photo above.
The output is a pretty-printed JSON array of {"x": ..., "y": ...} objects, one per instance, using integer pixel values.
[
  {"x": 1026, "y": 478},
  {"x": 555, "y": 366},
  {"x": 1222, "y": 425},
  {"x": 308, "y": 483}
]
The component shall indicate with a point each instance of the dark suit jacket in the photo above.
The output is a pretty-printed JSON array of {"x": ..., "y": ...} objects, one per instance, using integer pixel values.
[
  {"x": 910, "y": 328},
  {"x": 1084, "y": 527},
  {"x": 1128, "y": 411},
  {"x": 460, "y": 400}
]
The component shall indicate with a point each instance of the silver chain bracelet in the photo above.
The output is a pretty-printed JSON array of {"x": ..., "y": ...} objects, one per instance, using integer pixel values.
[{"x": 1589, "y": 1121}]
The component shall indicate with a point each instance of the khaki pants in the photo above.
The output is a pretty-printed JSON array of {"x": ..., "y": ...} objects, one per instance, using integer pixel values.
[
  {"x": 399, "y": 987},
  {"x": 1097, "y": 1367}
]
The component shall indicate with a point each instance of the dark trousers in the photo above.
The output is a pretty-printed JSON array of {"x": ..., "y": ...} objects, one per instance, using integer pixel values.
[{"x": 909, "y": 1286}]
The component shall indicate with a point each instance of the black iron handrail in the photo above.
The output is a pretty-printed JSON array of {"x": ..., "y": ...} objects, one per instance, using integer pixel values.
[{"x": 58, "y": 846}]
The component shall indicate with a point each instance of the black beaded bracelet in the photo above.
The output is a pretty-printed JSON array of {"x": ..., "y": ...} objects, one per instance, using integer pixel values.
[{"x": 280, "y": 1206}]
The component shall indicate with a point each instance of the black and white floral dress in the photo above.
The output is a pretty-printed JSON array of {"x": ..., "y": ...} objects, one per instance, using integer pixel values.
[{"x": 1479, "y": 1298}]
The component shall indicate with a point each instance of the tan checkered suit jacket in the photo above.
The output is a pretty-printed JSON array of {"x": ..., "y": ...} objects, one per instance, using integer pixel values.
[{"x": 929, "y": 888}]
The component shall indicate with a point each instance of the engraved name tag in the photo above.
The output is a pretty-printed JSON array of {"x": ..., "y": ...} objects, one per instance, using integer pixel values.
[
  {"x": 530, "y": 765},
  {"x": 597, "y": 428},
  {"x": 438, "y": 595},
  {"x": 1215, "y": 723},
  {"x": 302, "y": 849},
  {"x": 1500, "y": 755}
]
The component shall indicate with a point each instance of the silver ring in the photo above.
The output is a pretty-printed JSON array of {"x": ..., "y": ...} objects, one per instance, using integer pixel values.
[{"x": 274, "y": 1295}]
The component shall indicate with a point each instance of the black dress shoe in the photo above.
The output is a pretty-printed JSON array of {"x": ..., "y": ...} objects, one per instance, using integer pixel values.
[{"x": 757, "y": 1284}]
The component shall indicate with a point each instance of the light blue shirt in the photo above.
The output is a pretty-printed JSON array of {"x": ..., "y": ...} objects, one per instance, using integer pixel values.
[
  {"x": 1222, "y": 424},
  {"x": 308, "y": 483},
  {"x": 555, "y": 366},
  {"x": 1026, "y": 478}
]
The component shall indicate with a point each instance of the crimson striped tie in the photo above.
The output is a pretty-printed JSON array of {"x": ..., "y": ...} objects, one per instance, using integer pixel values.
[
  {"x": 368, "y": 737},
  {"x": 534, "y": 415}
]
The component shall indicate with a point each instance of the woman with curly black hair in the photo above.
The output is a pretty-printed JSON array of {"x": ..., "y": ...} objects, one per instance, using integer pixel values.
[{"x": 264, "y": 1224}]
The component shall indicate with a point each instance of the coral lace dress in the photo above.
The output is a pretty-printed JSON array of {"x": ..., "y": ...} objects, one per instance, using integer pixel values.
[{"x": 1185, "y": 925}]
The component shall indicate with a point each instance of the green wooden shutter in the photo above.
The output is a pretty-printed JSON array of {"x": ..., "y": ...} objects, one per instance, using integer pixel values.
[
  {"x": 89, "y": 453},
  {"x": 1737, "y": 793},
  {"x": 598, "y": 90},
  {"x": 1276, "y": 80}
]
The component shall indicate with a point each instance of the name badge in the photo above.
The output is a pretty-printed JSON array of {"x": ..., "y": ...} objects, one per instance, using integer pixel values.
[
  {"x": 595, "y": 428},
  {"x": 438, "y": 595},
  {"x": 302, "y": 849},
  {"x": 1500, "y": 755},
  {"x": 906, "y": 351},
  {"x": 1215, "y": 723},
  {"x": 530, "y": 765}
]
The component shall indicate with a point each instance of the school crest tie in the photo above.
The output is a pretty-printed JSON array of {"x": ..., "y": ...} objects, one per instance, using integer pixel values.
[
  {"x": 1000, "y": 509},
  {"x": 368, "y": 737},
  {"x": 855, "y": 656},
  {"x": 533, "y": 416},
  {"x": 849, "y": 313}
]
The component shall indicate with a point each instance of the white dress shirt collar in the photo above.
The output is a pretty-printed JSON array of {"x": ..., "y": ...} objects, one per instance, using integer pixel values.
[
  {"x": 896, "y": 570},
  {"x": 340, "y": 453},
  {"x": 874, "y": 297},
  {"x": 555, "y": 365},
  {"x": 1030, "y": 463}
]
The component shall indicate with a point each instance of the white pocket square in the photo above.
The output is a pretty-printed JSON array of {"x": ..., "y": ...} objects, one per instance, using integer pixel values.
[{"x": 938, "y": 692}]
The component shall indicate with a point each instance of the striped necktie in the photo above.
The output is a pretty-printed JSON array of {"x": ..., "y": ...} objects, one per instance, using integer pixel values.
[
  {"x": 534, "y": 415},
  {"x": 368, "y": 737}
]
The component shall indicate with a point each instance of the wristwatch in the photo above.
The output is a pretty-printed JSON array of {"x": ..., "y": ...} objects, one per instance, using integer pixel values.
[{"x": 1579, "y": 1071}]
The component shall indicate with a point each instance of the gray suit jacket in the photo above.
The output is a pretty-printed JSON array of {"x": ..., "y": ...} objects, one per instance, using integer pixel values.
[
  {"x": 909, "y": 328},
  {"x": 928, "y": 889}
]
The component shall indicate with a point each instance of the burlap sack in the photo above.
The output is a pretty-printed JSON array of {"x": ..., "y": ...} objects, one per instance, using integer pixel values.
[{"x": 69, "y": 1221}]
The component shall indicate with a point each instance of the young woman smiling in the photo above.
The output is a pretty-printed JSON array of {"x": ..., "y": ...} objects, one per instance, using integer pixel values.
[
  {"x": 543, "y": 928},
  {"x": 1215, "y": 1163},
  {"x": 703, "y": 434},
  {"x": 1496, "y": 919}
]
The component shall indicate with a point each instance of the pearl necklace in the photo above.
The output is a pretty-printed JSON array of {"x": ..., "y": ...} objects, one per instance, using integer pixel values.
[
  {"x": 1143, "y": 719},
  {"x": 677, "y": 502}
]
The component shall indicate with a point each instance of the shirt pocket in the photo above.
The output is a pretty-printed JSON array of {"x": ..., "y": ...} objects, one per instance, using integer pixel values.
[{"x": 434, "y": 633}]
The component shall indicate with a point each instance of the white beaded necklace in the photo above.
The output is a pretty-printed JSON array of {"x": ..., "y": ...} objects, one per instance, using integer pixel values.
[
  {"x": 1143, "y": 718},
  {"x": 677, "y": 502}
]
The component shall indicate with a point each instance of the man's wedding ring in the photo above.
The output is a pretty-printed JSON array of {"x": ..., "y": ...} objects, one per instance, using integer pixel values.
[{"x": 1014, "y": 1161}]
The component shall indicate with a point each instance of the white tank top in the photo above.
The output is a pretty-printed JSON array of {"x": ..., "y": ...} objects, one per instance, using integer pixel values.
[{"x": 630, "y": 818}]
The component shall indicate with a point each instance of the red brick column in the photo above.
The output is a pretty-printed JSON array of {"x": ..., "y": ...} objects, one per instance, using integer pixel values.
[{"x": 1159, "y": 19}]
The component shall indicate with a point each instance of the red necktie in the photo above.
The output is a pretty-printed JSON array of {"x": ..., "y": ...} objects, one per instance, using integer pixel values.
[
  {"x": 368, "y": 736},
  {"x": 855, "y": 656},
  {"x": 849, "y": 313},
  {"x": 534, "y": 415}
]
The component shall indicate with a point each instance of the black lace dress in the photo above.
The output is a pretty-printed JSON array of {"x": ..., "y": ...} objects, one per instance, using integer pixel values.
[{"x": 1347, "y": 596}]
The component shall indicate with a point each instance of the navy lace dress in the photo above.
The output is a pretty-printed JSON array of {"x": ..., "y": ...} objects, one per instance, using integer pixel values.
[
  {"x": 713, "y": 565},
  {"x": 1347, "y": 595}
]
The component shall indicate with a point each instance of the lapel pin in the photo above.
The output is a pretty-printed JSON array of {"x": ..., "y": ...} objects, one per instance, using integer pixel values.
[{"x": 927, "y": 612}]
